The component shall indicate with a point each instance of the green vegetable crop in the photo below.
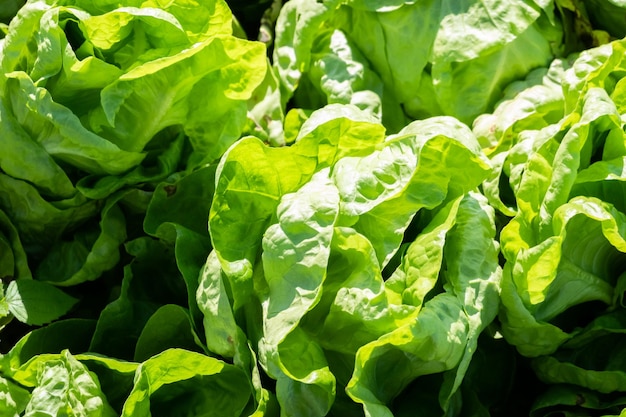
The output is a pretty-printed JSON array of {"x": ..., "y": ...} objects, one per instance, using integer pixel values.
[{"x": 310, "y": 208}]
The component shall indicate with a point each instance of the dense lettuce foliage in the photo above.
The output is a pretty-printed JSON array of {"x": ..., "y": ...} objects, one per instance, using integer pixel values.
[
  {"x": 310, "y": 208},
  {"x": 453, "y": 63}
]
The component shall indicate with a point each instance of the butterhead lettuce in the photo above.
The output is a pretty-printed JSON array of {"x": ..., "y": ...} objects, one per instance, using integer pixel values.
[
  {"x": 397, "y": 208},
  {"x": 99, "y": 102},
  {"x": 558, "y": 154},
  {"x": 307, "y": 267},
  {"x": 413, "y": 59}
]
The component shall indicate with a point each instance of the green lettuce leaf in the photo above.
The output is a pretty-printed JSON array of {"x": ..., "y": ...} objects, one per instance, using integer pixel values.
[
  {"x": 35, "y": 302},
  {"x": 507, "y": 135},
  {"x": 468, "y": 303},
  {"x": 122, "y": 321},
  {"x": 115, "y": 377},
  {"x": 420, "y": 167},
  {"x": 408, "y": 352},
  {"x": 187, "y": 384},
  {"x": 569, "y": 400},
  {"x": 266, "y": 110},
  {"x": 72, "y": 334},
  {"x": 39, "y": 222},
  {"x": 13, "y": 399},
  {"x": 591, "y": 358},
  {"x": 13, "y": 260},
  {"x": 91, "y": 252},
  {"x": 169, "y": 327},
  {"x": 183, "y": 200},
  {"x": 64, "y": 386},
  {"x": 298, "y": 245}
]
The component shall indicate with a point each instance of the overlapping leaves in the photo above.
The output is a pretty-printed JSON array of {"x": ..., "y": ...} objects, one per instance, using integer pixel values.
[{"x": 189, "y": 228}]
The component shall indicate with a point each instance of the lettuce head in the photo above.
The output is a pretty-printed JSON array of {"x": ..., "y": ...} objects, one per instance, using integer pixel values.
[
  {"x": 412, "y": 59},
  {"x": 100, "y": 101}
]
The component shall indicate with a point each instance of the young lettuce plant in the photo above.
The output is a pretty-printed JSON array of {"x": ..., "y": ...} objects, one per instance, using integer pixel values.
[
  {"x": 175, "y": 381},
  {"x": 455, "y": 62},
  {"x": 565, "y": 248},
  {"x": 99, "y": 102},
  {"x": 144, "y": 352},
  {"x": 298, "y": 277}
]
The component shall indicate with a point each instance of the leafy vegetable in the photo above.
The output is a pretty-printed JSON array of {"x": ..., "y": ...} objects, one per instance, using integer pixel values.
[
  {"x": 564, "y": 251},
  {"x": 36, "y": 302},
  {"x": 83, "y": 111},
  {"x": 187, "y": 383},
  {"x": 379, "y": 208},
  {"x": 463, "y": 49},
  {"x": 313, "y": 278}
]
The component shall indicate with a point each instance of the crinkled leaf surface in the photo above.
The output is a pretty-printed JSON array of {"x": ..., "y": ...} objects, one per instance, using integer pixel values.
[{"x": 65, "y": 386}]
